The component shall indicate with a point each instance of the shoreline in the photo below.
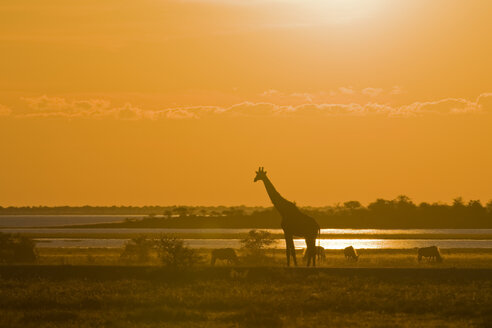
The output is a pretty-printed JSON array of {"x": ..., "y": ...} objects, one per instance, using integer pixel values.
[{"x": 125, "y": 235}]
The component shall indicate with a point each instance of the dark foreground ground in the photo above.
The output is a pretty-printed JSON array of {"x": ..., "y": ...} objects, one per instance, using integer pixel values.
[{"x": 132, "y": 296}]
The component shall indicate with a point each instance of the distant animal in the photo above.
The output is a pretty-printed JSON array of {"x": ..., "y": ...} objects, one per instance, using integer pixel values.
[
  {"x": 431, "y": 252},
  {"x": 351, "y": 253},
  {"x": 225, "y": 254},
  {"x": 294, "y": 222},
  {"x": 320, "y": 253}
]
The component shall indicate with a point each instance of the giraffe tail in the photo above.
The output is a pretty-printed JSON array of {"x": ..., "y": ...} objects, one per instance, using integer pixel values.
[{"x": 319, "y": 237}]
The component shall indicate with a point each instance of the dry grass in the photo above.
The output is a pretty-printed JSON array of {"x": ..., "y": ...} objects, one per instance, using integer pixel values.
[
  {"x": 94, "y": 296},
  {"x": 369, "y": 258}
]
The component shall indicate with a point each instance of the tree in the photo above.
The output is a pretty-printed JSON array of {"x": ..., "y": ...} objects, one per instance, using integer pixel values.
[
  {"x": 403, "y": 201},
  {"x": 458, "y": 202},
  {"x": 173, "y": 252},
  {"x": 425, "y": 205},
  {"x": 476, "y": 210},
  {"x": 234, "y": 211},
  {"x": 255, "y": 244},
  {"x": 352, "y": 205},
  {"x": 489, "y": 206},
  {"x": 475, "y": 204},
  {"x": 17, "y": 248},
  {"x": 138, "y": 249},
  {"x": 380, "y": 205},
  {"x": 182, "y": 211}
]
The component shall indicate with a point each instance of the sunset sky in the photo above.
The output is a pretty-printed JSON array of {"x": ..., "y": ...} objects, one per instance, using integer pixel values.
[{"x": 162, "y": 102}]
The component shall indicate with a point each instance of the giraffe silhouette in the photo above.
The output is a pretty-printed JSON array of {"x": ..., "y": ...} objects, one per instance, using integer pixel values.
[{"x": 294, "y": 222}]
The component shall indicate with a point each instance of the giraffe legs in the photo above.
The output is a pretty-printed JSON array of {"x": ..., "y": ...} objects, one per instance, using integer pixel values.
[
  {"x": 290, "y": 250},
  {"x": 287, "y": 251},
  {"x": 311, "y": 250},
  {"x": 293, "y": 251}
]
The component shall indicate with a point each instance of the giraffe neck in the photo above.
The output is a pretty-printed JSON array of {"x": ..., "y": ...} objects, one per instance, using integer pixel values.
[{"x": 278, "y": 201}]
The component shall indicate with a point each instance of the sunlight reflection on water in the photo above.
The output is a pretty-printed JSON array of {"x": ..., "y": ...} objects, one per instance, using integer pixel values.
[
  {"x": 229, "y": 231},
  {"x": 397, "y": 243},
  {"x": 299, "y": 243}
]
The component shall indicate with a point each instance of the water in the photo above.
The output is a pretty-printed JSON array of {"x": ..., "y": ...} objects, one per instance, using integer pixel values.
[
  {"x": 21, "y": 224},
  {"x": 280, "y": 243},
  {"x": 236, "y": 231}
]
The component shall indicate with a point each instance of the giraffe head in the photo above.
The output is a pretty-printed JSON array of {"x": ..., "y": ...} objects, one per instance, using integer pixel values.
[{"x": 260, "y": 174}]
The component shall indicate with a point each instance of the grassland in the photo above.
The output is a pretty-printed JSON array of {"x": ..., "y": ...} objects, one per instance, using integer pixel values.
[
  {"x": 126, "y": 296},
  {"x": 77, "y": 287},
  {"x": 369, "y": 258}
]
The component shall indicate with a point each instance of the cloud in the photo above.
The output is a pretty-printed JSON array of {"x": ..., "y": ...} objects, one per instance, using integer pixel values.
[
  {"x": 396, "y": 90},
  {"x": 347, "y": 91},
  {"x": 54, "y": 106},
  {"x": 271, "y": 92},
  {"x": 304, "y": 95},
  {"x": 295, "y": 96},
  {"x": 5, "y": 111},
  {"x": 192, "y": 112},
  {"x": 443, "y": 106},
  {"x": 128, "y": 112},
  {"x": 484, "y": 102},
  {"x": 45, "y": 106},
  {"x": 372, "y": 92},
  {"x": 323, "y": 95}
]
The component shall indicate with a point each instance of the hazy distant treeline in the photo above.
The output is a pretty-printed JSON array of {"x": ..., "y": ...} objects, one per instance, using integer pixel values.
[
  {"x": 121, "y": 210},
  {"x": 400, "y": 212}
]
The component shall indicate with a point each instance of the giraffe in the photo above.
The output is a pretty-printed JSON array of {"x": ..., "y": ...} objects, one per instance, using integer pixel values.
[{"x": 294, "y": 222}]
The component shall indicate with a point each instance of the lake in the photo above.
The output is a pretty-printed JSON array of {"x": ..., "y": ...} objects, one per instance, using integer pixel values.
[
  {"x": 21, "y": 224},
  {"x": 10, "y": 223},
  {"x": 279, "y": 243},
  {"x": 236, "y": 231}
]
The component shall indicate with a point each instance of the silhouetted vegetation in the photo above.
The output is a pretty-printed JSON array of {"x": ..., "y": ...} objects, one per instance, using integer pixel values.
[
  {"x": 169, "y": 249},
  {"x": 166, "y": 211},
  {"x": 138, "y": 249},
  {"x": 400, "y": 212},
  {"x": 254, "y": 246},
  {"x": 173, "y": 252},
  {"x": 15, "y": 248}
]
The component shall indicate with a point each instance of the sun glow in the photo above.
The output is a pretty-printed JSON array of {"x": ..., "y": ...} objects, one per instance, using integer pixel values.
[
  {"x": 369, "y": 98},
  {"x": 346, "y": 6},
  {"x": 340, "y": 11}
]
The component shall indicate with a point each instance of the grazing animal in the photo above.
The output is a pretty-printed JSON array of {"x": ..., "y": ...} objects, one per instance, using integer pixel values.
[
  {"x": 431, "y": 252},
  {"x": 351, "y": 253},
  {"x": 294, "y": 222},
  {"x": 320, "y": 254},
  {"x": 226, "y": 254}
]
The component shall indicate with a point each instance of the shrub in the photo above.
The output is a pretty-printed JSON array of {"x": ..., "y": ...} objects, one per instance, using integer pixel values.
[
  {"x": 254, "y": 245},
  {"x": 138, "y": 249},
  {"x": 173, "y": 252},
  {"x": 17, "y": 248}
]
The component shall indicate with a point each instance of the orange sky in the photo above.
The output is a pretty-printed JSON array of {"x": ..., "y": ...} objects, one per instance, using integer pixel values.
[{"x": 178, "y": 102}]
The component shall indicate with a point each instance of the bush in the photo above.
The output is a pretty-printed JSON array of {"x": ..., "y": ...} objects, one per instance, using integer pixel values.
[
  {"x": 17, "y": 248},
  {"x": 254, "y": 245},
  {"x": 138, "y": 249},
  {"x": 173, "y": 252}
]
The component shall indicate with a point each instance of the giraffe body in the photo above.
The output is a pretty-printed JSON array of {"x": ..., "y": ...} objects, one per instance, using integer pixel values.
[{"x": 294, "y": 222}]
